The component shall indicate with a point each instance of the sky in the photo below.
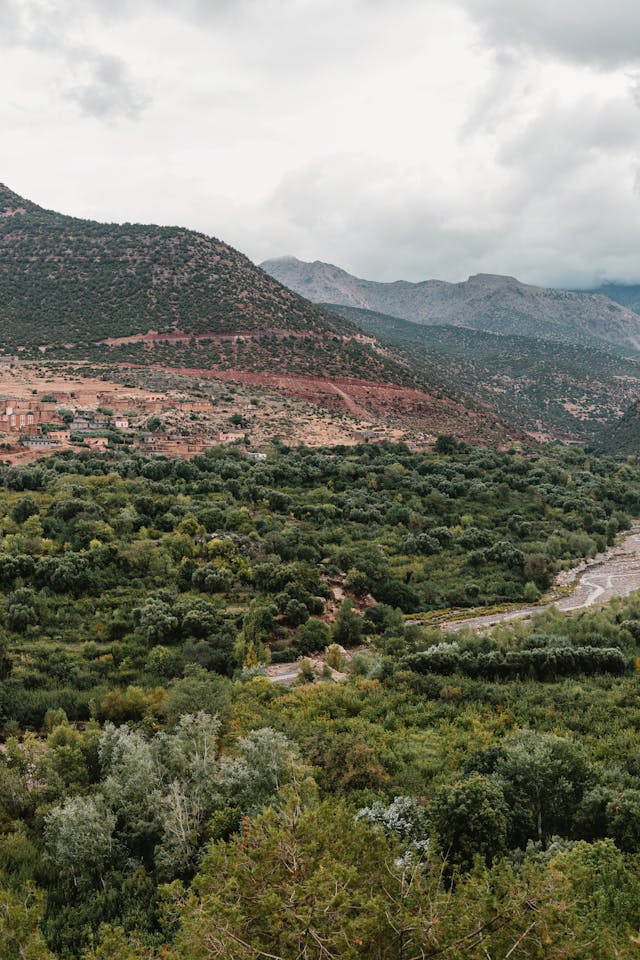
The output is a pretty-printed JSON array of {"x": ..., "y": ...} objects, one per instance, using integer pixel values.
[{"x": 399, "y": 139}]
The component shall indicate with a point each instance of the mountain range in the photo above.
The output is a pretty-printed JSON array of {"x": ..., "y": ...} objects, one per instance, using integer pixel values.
[
  {"x": 73, "y": 289},
  {"x": 496, "y": 304},
  {"x": 489, "y": 359}
]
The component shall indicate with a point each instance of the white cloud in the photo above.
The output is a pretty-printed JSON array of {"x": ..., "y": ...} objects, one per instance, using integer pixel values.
[
  {"x": 100, "y": 84},
  {"x": 399, "y": 139}
]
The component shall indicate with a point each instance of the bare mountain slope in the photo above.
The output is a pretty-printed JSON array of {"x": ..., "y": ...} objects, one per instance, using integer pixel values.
[
  {"x": 628, "y": 294},
  {"x": 488, "y": 302}
]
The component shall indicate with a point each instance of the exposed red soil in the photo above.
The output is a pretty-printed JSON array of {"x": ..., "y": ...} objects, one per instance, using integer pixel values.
[{"x": 360, "y": 398}]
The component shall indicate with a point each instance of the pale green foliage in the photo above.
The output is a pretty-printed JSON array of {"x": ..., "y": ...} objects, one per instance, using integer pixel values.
[
  {"x": 195, "y": 745},
  {"x": 191, "y": 797},
  {"x": 403, "y": 816},
  {"x": 133, "y": 780},
  {"x": 266, "y": 760},
  {"x": 79, "y": 837}
]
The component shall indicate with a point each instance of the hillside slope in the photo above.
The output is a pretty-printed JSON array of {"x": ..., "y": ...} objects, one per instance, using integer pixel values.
[
  {"x": 623, "y": 436},
  {"x": 63, "y": 279},
  {"x": 555, "y": 389},
  {"x": 626, "y": 294},
  {"x": 496, "y": 304},
  {"x": 170, "y": 298}
]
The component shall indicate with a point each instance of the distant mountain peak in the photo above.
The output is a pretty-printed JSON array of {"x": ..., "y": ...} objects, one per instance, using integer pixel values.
[
  {"x": 497, "y": 279},
  {"x": 287, "y": 258},
  {"x": 486, "y": 301}
]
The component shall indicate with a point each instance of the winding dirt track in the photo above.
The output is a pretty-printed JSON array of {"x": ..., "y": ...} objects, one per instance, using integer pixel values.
[{"x": 613, "y": 574}]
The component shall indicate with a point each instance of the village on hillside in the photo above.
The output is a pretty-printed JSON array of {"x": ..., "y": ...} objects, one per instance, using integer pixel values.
[
  {"x": 39, "y": 416},
  {"x": 45, "y": 408}
]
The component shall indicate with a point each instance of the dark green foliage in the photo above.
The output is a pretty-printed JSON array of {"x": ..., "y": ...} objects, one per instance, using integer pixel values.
[
  {"x": 141, "y": 598},
  {"x": 471, "y": 819},
  {"x": 545, "y": 663},
  {"x": 347, "y": 630}
]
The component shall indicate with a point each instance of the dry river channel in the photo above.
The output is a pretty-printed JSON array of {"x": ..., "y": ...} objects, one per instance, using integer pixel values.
[{"x": 615, "y": 573}]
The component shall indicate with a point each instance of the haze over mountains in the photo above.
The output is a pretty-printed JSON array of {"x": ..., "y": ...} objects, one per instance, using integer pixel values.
[{"x": 497, "y": 304}]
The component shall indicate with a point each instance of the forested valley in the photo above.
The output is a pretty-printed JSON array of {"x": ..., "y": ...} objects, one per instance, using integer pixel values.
[{"x": 474, "y": 795}]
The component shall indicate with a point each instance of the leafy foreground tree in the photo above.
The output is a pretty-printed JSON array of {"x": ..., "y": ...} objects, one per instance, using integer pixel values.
[
  {"x": 317, "y": 884},
  {"x": 20, "y": 937}
]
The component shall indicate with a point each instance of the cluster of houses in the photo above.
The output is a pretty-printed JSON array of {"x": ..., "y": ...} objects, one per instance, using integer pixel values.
[
  {"x": 52, "y": 421},
  {"x": 23, "y": 420}
]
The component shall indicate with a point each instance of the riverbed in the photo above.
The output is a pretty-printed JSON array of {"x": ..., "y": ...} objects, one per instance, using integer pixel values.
[{"x": 615, "y": 573}]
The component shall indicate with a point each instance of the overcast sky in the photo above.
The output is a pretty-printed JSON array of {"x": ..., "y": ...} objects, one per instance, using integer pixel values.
[{"x": 400, "y": 139}]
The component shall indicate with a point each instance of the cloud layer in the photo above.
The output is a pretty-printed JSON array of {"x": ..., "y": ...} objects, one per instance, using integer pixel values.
[
  {"x": 597, "y": 34},
  {"x": 398, "y": 138}
]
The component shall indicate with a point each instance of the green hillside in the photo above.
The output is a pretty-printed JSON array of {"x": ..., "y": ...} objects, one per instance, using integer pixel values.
[
  {"x": 564, "y": 388},
  {"x": 622, "y": 436},
  {"x": 63, "y": 279}
]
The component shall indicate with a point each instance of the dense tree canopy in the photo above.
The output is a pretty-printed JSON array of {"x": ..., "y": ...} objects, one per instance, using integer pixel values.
[{"x": 471, "y": 795}]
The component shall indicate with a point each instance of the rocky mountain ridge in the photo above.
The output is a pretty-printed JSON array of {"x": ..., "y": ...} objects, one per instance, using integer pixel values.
[{"x": 494, "y": 303}]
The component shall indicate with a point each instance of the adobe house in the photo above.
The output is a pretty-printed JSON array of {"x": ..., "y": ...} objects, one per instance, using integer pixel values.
[
  {"x": 20, "y": 420},
  {"x": 97, "y": 443},
  {"x": 231, "y": 436},
  {"x": 39, "y": 441}
]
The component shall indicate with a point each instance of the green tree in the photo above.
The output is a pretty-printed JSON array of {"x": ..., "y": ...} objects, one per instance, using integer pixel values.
[
  {"x": 79, "y": 839},
  {"x": 347, "y": 630},
  {"x": 623, "y": 820},
  {"x": 543, "y": 778},
  {"x": 312, "y": 636},
  {"x": 20, "y": 935},
  {"x": 470, "y": 818},
  {"x": 265, "y": 761}
]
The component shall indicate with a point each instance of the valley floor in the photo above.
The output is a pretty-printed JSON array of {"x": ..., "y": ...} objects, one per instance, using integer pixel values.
[{"x": 615, "y": 573}]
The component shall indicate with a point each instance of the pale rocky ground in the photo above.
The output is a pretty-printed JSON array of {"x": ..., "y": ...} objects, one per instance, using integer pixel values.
[{"x": 266, "y": 416}]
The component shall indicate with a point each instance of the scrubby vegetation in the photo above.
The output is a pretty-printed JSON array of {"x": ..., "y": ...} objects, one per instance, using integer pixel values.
[
  {"x": 82, "y": 281},
  {"x": 161, "y": 798},
  {"x": 564, "y": 389}
]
